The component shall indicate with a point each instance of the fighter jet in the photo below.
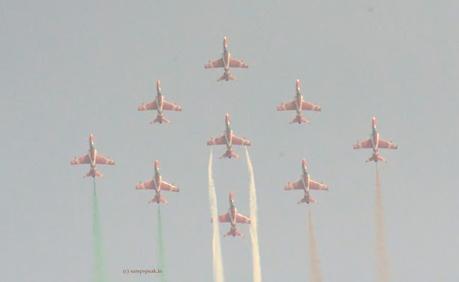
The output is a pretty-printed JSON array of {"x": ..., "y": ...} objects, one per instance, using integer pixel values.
[
  {"x": 226, "y": 62},
  {"x": 233, "y": 217},
  {"x": 375, "y": 143},
  {"x": 228, "y": 139},
  {"x": 160, "y": 105},
  {"x": 92, "y": 158},
  {"x": 298, "y": 105},
  {"x": 305, "y": 183},
  {"x": 157, "y": 184}
]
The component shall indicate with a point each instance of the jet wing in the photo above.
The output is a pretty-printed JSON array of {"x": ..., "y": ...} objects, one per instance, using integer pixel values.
[
  {"x": 224, "y": 218},
  {"x": 363, "y": 144},
  {"x": 294, "y": 185},
  {"x": 289, "y": 106},
  {"x": 240, "y": 218},
  {"x": 148, "y": 106},
  {"x": 236, "y": 140},
  {"x": 383, "y": 144},
  {"x": 168, "y": 187},
  {"x": 217, "y": 141},
  {"x": 80, "y": 160},
  {"x": 310, "y": 107},
  {"x": 147, "y": 185},
  {"x": 214, "y": 64},
  {"x": 169, "y": 106},
  {"x": 235, "y": 63},
  {"x": 100, "y": 159},
  {"x": 314, "y": 185}
]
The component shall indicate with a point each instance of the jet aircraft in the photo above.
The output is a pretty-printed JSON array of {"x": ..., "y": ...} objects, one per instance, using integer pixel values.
[
  {"x": 298, "y": 105},
  {"x": 92, "y": 158},
  {"x": 375, "y": 143},
  {"x": 306, "y": 184},
  {"x": 229, "y": 139},
  {"x": 226, "y": 62},
  {"x": 233, "y": 217},
  {"x": 157, "y": 184},
  {"x": 160, "y": 105}
]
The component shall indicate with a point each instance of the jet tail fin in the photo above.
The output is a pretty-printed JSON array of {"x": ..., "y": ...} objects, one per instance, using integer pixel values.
[
  {"x": 299, "y": 119},
  {"x": 307, "y": 200},
  {"x": 159, "y": 199},
  {"x": 226, "y": 77},
  {"x": 376, "y": 158},
  {"x": 230, "y": 154},
  {"x": 234, "y": 232},
  {"x": 160, "y": 119},
  {"x": 94, "y": 173}
]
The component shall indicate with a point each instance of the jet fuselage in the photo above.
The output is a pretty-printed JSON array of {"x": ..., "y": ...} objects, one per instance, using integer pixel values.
[
  {"x": 305, "y": 177},
  {"x": 228, "y": 132},
  {"x": 226, "y": 55},
  {"x": 157, "y": 178},
  {"x": 159, "y": 98},
  {"x": 374, "y": 135},
  {"x": 92, "y": 152},
  {"x": 232, "y": 212},
  {"x": 299, "y": 98}
]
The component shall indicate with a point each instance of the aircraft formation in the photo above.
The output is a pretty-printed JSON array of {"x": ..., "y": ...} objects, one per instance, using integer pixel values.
[{"x": 229, "y": 139}]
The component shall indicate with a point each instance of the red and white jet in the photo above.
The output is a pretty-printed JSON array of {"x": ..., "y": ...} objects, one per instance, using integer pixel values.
[
  {"x": 92, "y": 158},
  {"x": 298, "y": 105},
  {"x": 305, "y": 183},
  {"x": 233, "y": 217},
  {"x": 157, "y": 184},
  {"x": 226, "y": 62},
  {"x": 228, "y": 139},
  {"x": 160, "y": 105},
  {"x": 375, "y": 143}
]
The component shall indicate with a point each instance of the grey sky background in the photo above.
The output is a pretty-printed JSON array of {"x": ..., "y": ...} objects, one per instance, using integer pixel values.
[{"x": 70, "y": 68}]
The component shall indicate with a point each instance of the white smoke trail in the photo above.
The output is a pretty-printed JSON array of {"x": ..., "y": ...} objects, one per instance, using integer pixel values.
[
  {"x": 382, "y": 260},
  {"x": 253, "y": 225},
  {"x": 216, "y": 246},
  {"x": 314, "y": 261}
]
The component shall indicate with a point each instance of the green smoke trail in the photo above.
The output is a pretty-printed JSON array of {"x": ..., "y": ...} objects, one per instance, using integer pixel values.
[
  {"x": 217, "y": 259},
  {"x": 99, "y": 267},
  {"x": 162, "y": 265},
  {"x": 256, "y": 274}
]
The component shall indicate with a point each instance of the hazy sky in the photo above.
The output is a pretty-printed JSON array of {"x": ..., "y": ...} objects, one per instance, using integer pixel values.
[{"x": 69, "y": 68}]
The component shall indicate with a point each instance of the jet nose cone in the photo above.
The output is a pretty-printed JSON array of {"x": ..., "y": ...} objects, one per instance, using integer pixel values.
[
  {"x": 373, "y": 121},
  {"x": 231, "y": 198},
  {"x": 158, "y": 85},
  {"x": 304, "y": 163}
]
